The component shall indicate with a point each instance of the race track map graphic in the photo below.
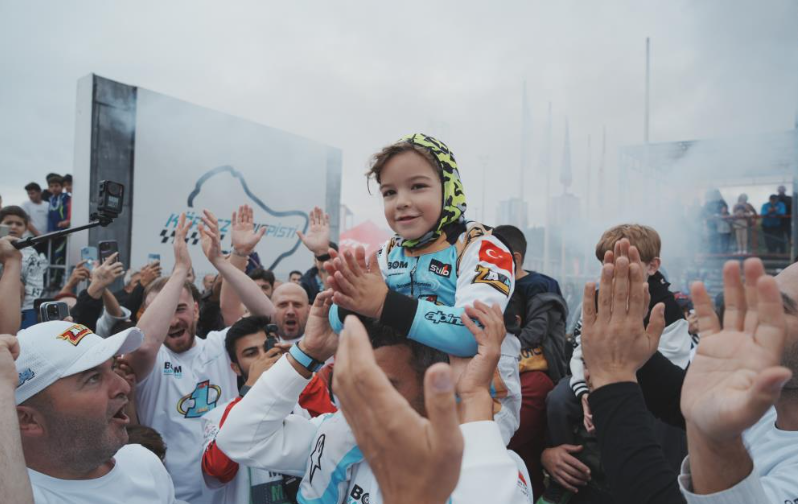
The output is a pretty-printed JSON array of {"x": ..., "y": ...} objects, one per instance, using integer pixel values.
[{"x": 275, "y": 229}]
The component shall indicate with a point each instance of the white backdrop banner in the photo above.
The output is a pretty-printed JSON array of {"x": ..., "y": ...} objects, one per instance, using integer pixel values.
[{"x": 189, "y": 158}]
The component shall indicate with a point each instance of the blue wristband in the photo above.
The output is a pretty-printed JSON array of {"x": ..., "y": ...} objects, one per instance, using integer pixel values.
[{"x": 304, "y": 359}]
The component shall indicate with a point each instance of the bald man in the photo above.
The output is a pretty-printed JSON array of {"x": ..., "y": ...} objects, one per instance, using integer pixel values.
[{"x": 291, "y": 311}]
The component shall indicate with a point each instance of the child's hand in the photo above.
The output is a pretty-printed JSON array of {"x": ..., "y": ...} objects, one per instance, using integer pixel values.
[{"x": 358, "y": 287}]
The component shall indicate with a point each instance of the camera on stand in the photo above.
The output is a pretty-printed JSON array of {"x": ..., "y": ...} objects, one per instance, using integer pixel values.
[{"x": 110, "y": 202}]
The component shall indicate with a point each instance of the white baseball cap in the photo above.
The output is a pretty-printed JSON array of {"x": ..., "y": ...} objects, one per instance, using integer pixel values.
[{"x": 53, "y": 350}]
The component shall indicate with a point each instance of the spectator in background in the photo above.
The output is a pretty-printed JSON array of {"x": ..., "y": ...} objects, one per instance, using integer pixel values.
[
  {"x": 68, "y": 184},
  {"x": 33, "y": 264},
  {"x": 36, "y": 209},
  {"x": 207, "y": 282},
  {"x": 536, "y": 315},
  {"x": 295, "y": 277},
  {"x": 772, "y": 211},
  {"x": 58, "y": 214},
  {"x": 57, "y": 219},
  {"x": 132, "y": 279},
  {"x": 724, "y": 229},
  {"x": 265, "y": 280},
  {"x": 744, "y": 212},
  {"x": 786, "y": 222},
  {"x": 713, "y": 202}
]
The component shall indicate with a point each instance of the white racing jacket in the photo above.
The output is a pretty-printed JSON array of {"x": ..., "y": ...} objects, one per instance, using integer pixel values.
[{"x": 260, "y": 432}]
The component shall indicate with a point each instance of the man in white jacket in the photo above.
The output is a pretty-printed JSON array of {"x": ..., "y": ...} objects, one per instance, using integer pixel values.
[{"x": 261, "y": 432}]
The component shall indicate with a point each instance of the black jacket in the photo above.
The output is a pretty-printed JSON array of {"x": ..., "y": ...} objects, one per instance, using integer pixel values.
[{"x": 308, "y": 282}]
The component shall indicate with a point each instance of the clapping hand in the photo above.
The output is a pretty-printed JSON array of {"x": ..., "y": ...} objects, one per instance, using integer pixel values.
[
  {"x": 211, "y": 237},
  {"x": 182, "y": 257},
  {"x": 358, "y": 286}
]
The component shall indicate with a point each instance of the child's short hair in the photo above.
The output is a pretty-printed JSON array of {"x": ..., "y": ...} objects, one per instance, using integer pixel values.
[
  {"x": 645, "y": 238},
  {"x": 54, "y": 178},
  {"x": 33, "y": 186},
  {"x": 380, "y": 159},
  {"x": 14, "y": 210},
  {"x": 513, "y": 237}
]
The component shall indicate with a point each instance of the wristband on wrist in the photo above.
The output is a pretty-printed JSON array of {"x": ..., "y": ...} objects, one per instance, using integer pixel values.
[
  {"x": 304, "y": 359},
  {"x": 323, "y": 257},
  {"x": 239, "y": 254}
]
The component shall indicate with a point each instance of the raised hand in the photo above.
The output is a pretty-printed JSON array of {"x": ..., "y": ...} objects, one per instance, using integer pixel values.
[
  {"x": 182, "y": 257},
  {"x": 211, "y": 237},
  {"x": 473, "y": 375},
  {"x": 414, "y": 459},
  {"x": 244, "y": 237},
  {"x": 735, "y": 376},
  {"x": 615, "y": 342},
  {"x": 79, "y": 274},
  {"x": 318, "y": 238},
  {"x": 358, "y": 286},
  {"x": 104, "y": 275},
  {"x": 150, "y": 273},
  {"x": 320, "y": 341}
]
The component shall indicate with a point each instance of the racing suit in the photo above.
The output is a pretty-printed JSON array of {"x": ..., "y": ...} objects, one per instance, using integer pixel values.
[{"x": 428, "y": 292}]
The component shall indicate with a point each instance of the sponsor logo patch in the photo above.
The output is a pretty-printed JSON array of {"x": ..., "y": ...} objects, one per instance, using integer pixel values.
[
  {"x": 200, "y": 400},
  {"x": 74, "y": 334},
  {"x": 491, "y": 253},
  {"x": 440, "y": 317},
  {"x": 493, "y": 278},
  {"x": 26, "y": 375},
  {"x": 315, "y": 456},
  {"x": 440, "y": 269},
  {"x": 171, "y": 370},
  {"x": 397, "y": 265}
]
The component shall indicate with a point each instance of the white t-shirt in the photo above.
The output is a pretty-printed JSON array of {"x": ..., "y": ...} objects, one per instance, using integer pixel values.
[
  {"x": 138, "y": 477},
  {"x": 775, "y": 456},
  {"x": 172, "y": 399},
  {"x": 37, "y": 214}
]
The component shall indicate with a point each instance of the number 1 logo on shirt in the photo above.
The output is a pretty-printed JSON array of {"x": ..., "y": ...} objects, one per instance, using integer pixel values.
[{"x": 201, "y": 397}]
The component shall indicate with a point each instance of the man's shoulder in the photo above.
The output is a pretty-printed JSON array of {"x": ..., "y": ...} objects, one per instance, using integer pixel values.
[{"x": 134, "y": 457}]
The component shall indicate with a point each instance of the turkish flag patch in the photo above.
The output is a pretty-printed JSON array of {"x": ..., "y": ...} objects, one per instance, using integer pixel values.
[{"x": 491, "y": 253}]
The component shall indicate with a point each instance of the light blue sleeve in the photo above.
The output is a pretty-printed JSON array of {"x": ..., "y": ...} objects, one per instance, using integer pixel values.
[{"x": 441, "y": 327}]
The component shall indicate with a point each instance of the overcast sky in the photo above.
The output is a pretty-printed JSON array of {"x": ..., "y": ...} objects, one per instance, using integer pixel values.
[{"x": 358, "y": 75}]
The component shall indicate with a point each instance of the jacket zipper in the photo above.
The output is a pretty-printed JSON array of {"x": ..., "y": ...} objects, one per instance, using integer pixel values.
[{"x": 412, "y": 278}]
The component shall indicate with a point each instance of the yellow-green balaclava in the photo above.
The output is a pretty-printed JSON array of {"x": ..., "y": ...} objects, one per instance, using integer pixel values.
[{"x": 454, "y": 201}]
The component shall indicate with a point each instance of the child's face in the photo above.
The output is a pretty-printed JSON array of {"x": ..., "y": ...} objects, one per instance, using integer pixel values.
[
  {"x": 54, "y": 188},
  {"x": 15, "y": 224},
  {"x": 412, "y": 195}
]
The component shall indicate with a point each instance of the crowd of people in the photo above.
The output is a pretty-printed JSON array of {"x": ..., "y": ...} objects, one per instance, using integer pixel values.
[
  {"x": 434, "y": 370},
  {"x": 737, "y": 231}
]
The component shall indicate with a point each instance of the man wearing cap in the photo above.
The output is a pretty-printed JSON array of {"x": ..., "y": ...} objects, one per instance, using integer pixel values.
[{"x": 70, "y": 413}]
